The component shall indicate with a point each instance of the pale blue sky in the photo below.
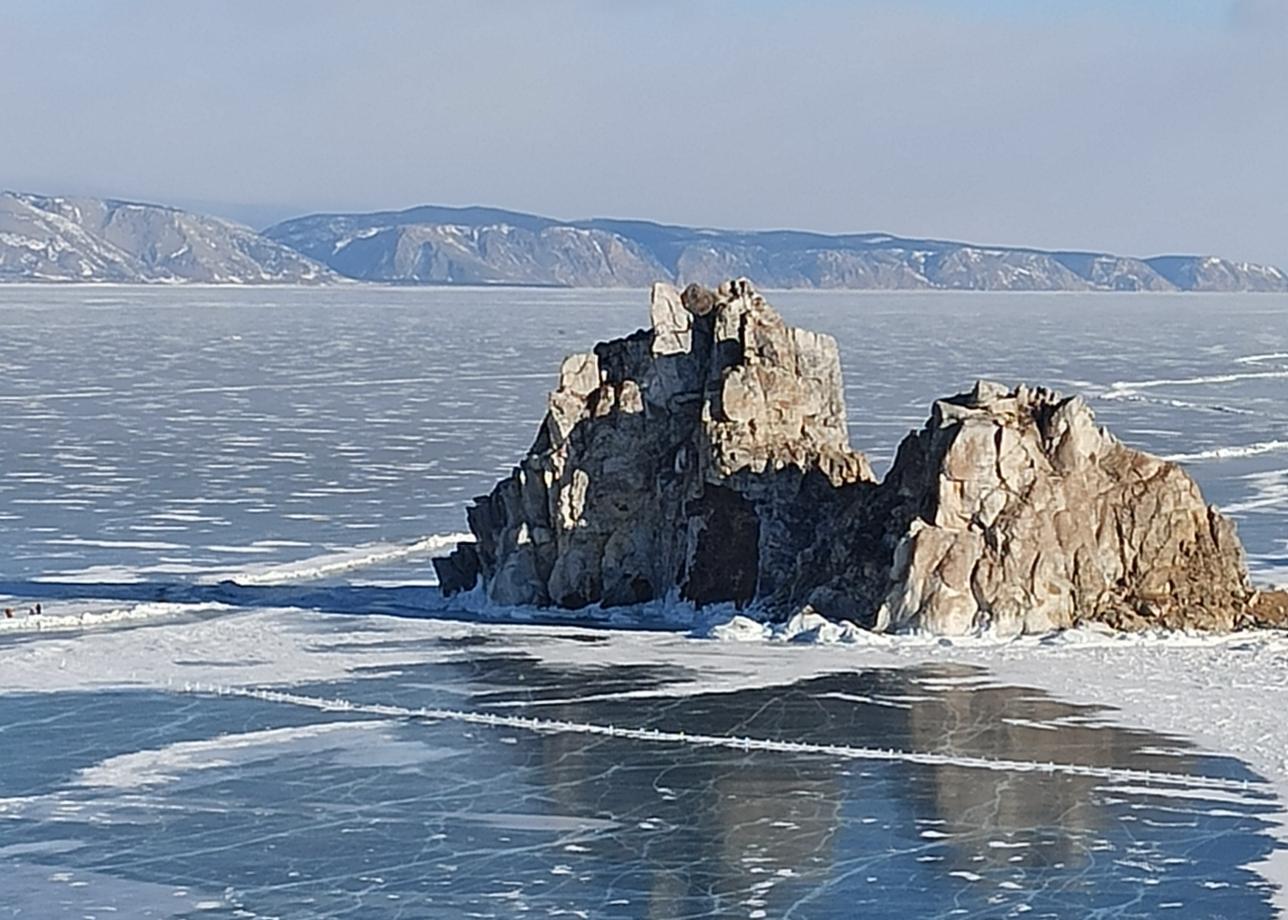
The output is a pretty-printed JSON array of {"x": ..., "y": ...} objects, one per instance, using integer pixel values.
[{"x": 1138, "y": 126}]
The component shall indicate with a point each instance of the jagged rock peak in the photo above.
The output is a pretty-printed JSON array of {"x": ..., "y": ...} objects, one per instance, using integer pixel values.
[{"x": 680, "y": 457}]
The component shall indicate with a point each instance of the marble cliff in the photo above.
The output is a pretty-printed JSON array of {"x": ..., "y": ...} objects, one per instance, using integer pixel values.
[{"x": 708, "y": 456}]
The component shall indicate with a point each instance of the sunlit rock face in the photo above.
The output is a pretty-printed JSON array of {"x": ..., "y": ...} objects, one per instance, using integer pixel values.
[
  {"x": 690, "y": 456},
  {"x": 1012, "y": 511},
  {"x": 1035, "y": 518},
  {"x": 708, "y": 455}
]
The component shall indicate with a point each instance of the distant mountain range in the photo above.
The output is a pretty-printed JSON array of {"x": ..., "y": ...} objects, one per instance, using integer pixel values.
[
  {"x": 86, "y": 239},
  {"x": 93, "y": 239}
]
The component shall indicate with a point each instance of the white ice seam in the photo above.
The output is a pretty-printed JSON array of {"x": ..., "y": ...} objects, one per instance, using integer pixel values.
[
  {"x": 320, "y": 567},
  {"x": 1121, "y": 388},
  {"x": 1229, "y": 453},
  {"x": 659, "y": 736}
]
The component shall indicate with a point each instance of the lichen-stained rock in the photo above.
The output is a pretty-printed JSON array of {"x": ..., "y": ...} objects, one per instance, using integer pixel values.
[
  {"x": 1012, "y": 511},
  {"x": 692, "y": 455}
]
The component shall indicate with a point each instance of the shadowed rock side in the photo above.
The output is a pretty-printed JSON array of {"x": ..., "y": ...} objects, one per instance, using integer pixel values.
[{"x": 709, "y": 454}]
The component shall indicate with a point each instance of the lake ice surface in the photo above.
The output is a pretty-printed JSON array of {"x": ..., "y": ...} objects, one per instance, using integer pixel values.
[{"x": 317, "y": 447}]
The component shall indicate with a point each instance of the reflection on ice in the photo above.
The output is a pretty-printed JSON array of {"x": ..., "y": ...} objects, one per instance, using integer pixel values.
[{"x": 290, "y": 811}]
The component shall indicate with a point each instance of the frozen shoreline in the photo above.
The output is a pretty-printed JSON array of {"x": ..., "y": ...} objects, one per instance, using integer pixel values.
[{"x": 1226, "y": 694}]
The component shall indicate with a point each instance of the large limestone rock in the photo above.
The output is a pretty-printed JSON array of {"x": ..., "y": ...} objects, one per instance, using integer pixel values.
[
  {"x": 1012, "y": 511},
  {"x": 686, "y": 456},
  {"x": 709, "y": 455}
]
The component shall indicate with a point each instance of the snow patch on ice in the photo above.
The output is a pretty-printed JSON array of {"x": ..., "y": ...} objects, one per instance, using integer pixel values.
[
  {"x": 802, "y": 628},
  {"x": 366, "y": 743},
  {"x": 160, "y": 766},
  {"x": 79, "y": 616},
  {"x": 340, "y": 561}
]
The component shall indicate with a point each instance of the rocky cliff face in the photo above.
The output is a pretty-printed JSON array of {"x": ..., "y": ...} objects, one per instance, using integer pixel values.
[
  {"x": 688, "y": 456},
  {"x": 92, "y": 239},
  {"x": 708, "y": 455}
]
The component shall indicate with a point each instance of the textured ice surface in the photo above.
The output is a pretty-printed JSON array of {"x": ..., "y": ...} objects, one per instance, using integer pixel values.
[
  {"x": 274, "y": 808},
  {"x": 182, "y": 470},
  {"x": 175, "y": 433}
]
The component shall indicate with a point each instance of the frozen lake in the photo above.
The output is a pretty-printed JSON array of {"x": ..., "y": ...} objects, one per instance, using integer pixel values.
[
  {"x": 170, "y": 433},
  {"x": 301, "y": 813},
  {"x": 317, "y": 447}
]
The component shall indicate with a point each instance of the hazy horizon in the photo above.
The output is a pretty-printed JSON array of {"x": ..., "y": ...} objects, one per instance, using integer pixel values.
[{"x": 1140, "y": 128}]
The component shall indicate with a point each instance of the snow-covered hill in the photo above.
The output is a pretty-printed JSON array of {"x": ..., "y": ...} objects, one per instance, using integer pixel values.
[
  {"x": 44, "y": 239},
  {"x": 439, "y": 245},
  {"x": 92, "y": 239}
]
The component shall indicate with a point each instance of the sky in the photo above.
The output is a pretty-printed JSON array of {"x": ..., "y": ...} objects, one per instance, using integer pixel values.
[{"x": 1135, "y": 126}]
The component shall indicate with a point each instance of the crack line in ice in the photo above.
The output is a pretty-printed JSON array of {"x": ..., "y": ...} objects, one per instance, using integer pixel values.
[
  {"x": 659, "y": 736},
  {"x": 97, "y": 393}
]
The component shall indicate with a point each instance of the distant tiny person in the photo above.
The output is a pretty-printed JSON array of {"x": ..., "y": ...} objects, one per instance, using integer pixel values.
[
  {"x": 38, "y": 610},
  {"x": 8, "y": 613}
]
